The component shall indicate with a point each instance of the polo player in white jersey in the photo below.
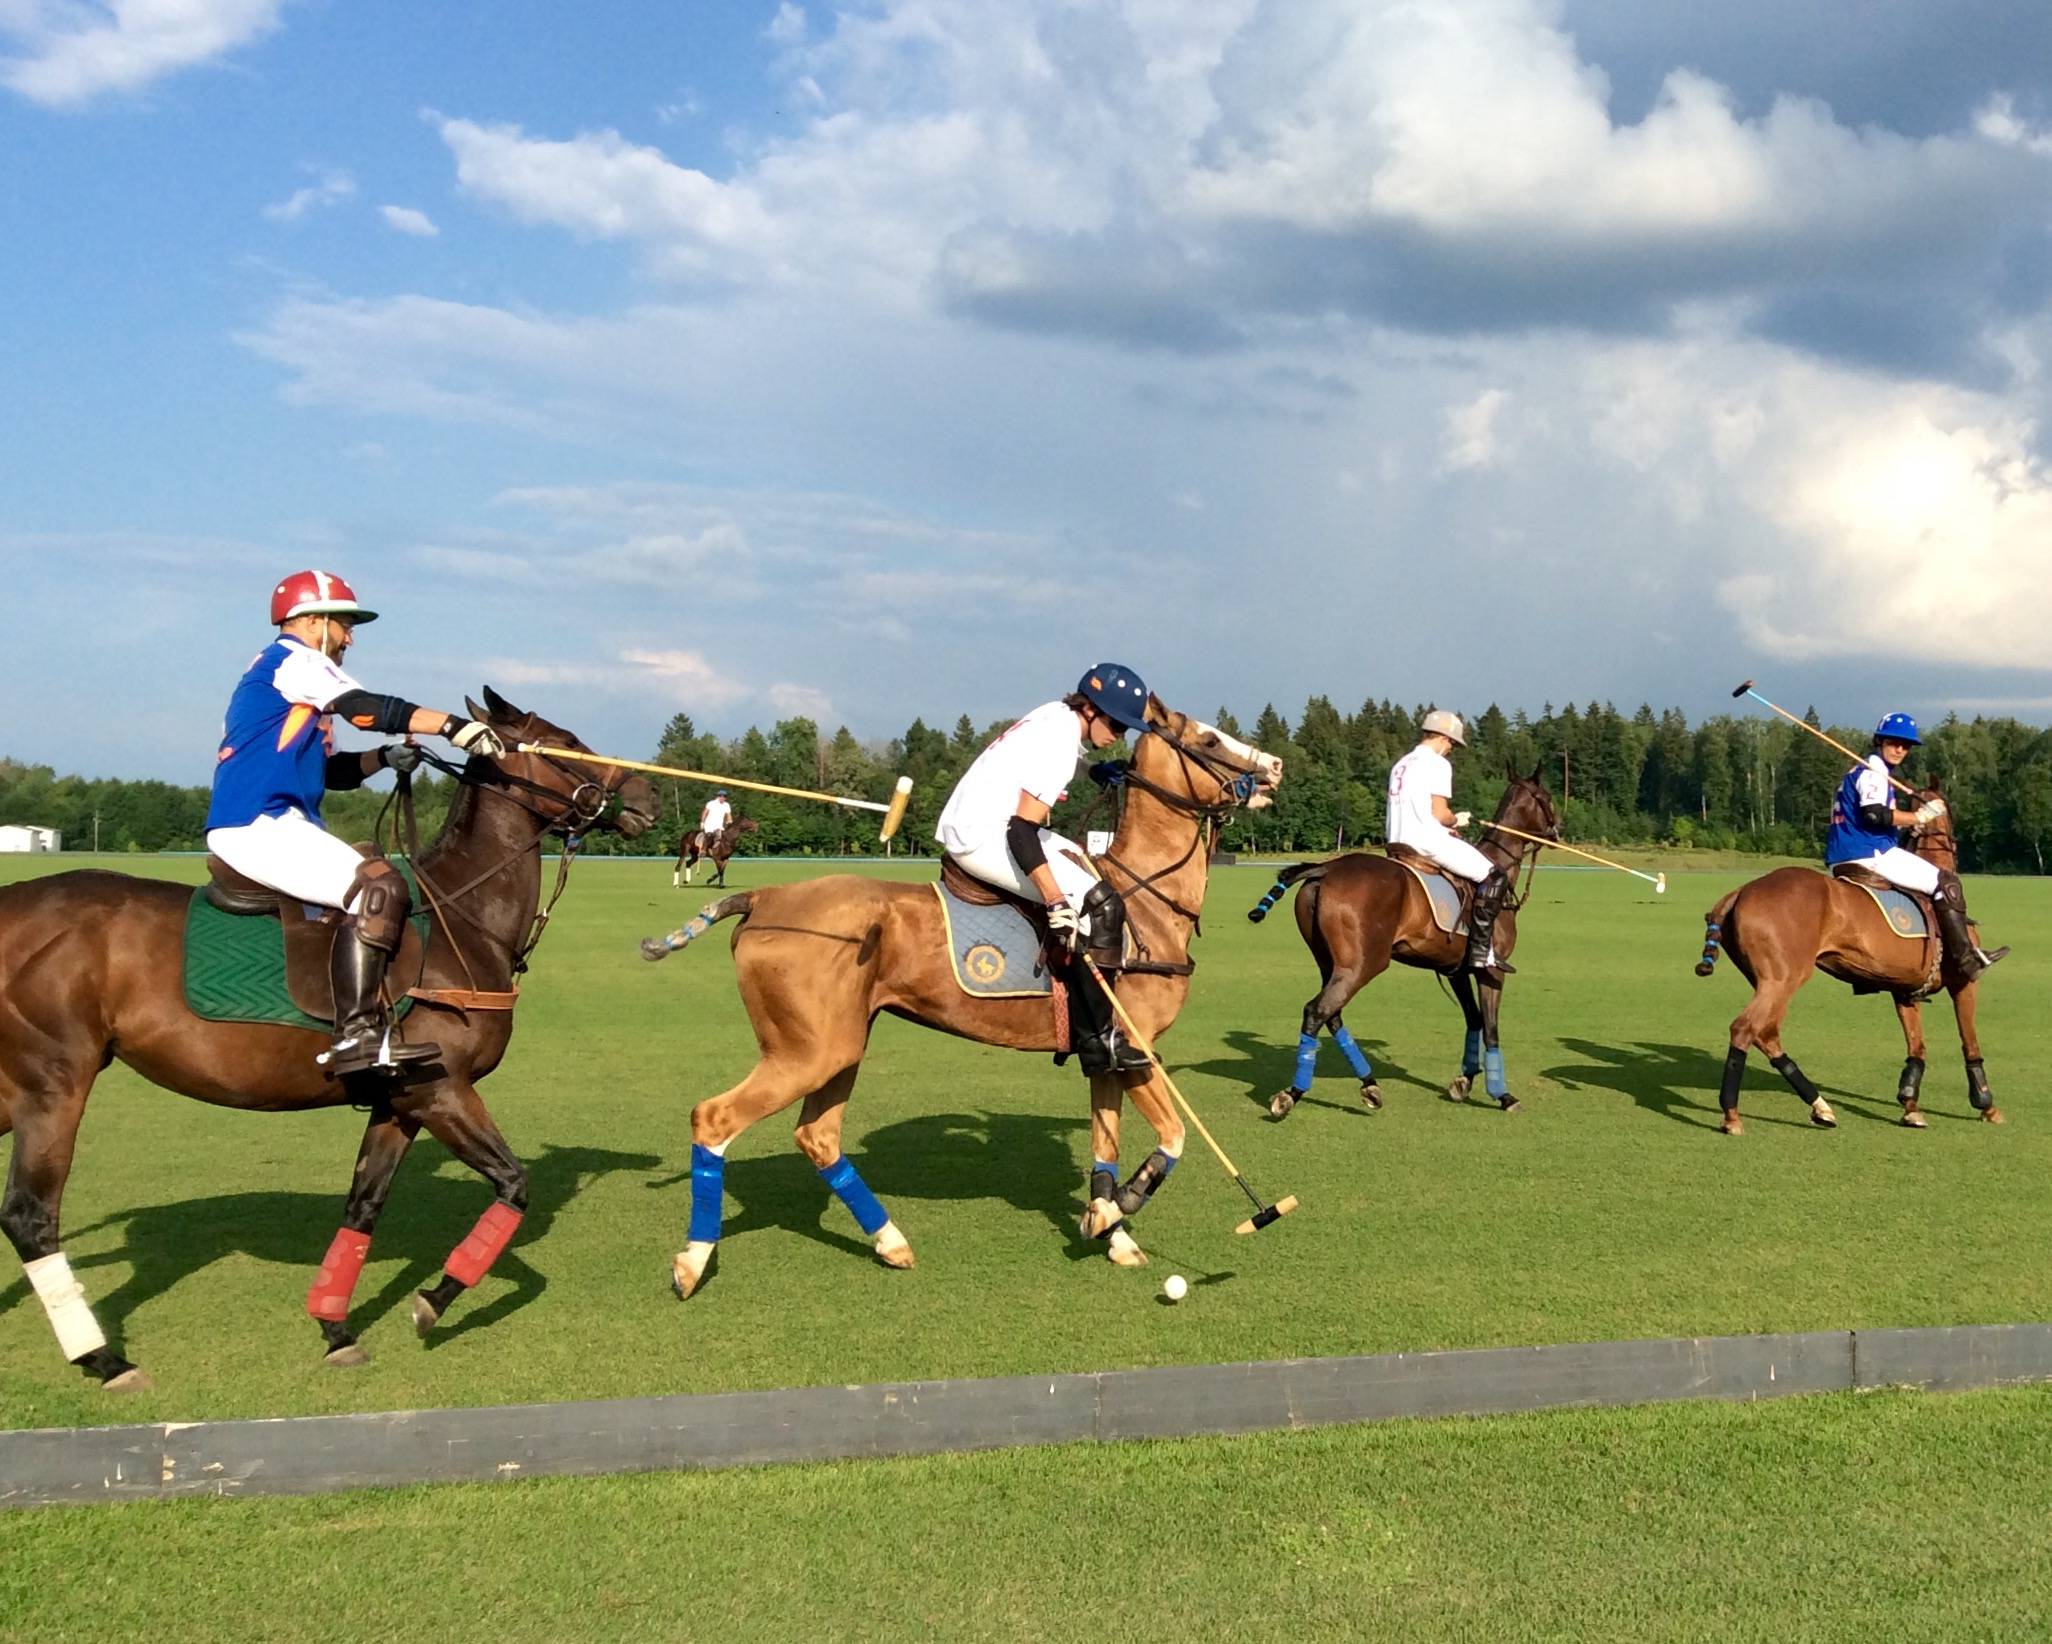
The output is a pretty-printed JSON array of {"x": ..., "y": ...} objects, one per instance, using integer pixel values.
[
  {"x": 1422, "y": 817},
  {"x": 995, "y": 827}
]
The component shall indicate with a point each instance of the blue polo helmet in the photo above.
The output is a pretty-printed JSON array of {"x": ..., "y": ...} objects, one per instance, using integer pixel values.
[
  {"x": 1118, "y": 693},
  {"x": 1898, "y": 728}
]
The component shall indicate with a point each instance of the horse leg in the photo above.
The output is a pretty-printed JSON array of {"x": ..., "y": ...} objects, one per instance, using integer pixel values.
[
  {"x": 1963, "y": 1000},
  {"x": 1128, "y": 1198},
  {"x": 1911, "y": 1015},
  {"x": 719, "y": 877},
  {"x": 1492, "y": 1055},
  {"x": 818, "y": 1135},
  {"x": 1471, "y": 1044},
  {"x": 385, "y": 1141},
  {"x": 456, "y": 1117},
  {"x": 772, "y": 1085},
  {"x": 1767, "y": 1011},
  {"x": 43, "y": 1110}
]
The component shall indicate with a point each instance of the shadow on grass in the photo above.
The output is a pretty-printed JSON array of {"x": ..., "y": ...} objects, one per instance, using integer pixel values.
[
  {"x": 1265, "y": 1067},
  {"x": 165, "y": 1244},
  {"x": 1680, "y": 1082}
]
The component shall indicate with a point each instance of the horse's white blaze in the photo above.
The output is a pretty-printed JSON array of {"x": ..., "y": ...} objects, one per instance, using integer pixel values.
[
  {"x": 1266, "y": 766},
  {"x": 63, "y": 1298}
]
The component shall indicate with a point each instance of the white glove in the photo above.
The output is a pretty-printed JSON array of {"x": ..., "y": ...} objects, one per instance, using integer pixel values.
[
  {"x": 1064, "y": 930},
  {"x": 1463, "y": 818},
  {"x": 474, "y": 736},
  {"x": 1929, "y": 811}
]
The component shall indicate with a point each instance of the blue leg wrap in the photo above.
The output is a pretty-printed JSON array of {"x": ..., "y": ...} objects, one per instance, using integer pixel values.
[
  {"x": 1352, "y": 1052},
  {"x": 708, "y": 1187},
  {"x": 1471, "y": 1053},
  {"x": 1492, "y": 1068},
  {"x": 854, "y": 1192},
  {"x": 1307, "y": 1059}
]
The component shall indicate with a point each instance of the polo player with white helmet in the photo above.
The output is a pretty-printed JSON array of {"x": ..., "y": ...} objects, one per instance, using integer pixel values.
[
  {"x": 1421, "y": 817},
  {"x": 1864, "y": 823},
  {"x": 995, "y": 827},
  {"x": 275, "y": 761}
]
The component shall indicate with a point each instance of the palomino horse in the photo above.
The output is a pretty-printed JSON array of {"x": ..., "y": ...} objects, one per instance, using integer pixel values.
[
  {"x": 698, "y": 845},
  {"x": 91, "y": 968},
  {"x": 817, "y": 960},
  {"x": 1358, "y": 912},
  {"x": 1781, "y": 926}
]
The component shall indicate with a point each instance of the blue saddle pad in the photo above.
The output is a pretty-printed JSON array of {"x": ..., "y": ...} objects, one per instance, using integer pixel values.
[
  {"x": 1904, "y": 912},
  {"x": 996, "y": 951}
]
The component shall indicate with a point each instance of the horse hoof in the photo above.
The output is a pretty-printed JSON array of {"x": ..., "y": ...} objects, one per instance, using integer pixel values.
[
  {"x": 425, "y": 1316},
  {"x": 1733, "y": 1125},
  {"x": 1993, "y": 1116},
  {"x": 1122, "y": 1251},
  {"x": 135, "y": 1379},
  {"x": 1100, "y": 1216},
  {"x": 1912, "y": 1119},
  {"x": 654, "y": 948},
  {"x": 1509, "y": 1104},
  {"x": 1458, "y": 1090},
  {"x": 892, "y": 1248},
  {"x": 1282, "y": 1101},
  {"x": 350, "y": 1356},
  {"x": 687, "y": 1270},
  {"x": 1821, "y": 1114},
  {"x": 1371, "y": 1093}
]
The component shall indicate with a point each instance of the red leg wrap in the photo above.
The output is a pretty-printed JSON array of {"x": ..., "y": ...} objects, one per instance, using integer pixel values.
[
  {"x": 473, "y": 1258},
  {"x": 336, "y": 1282}
]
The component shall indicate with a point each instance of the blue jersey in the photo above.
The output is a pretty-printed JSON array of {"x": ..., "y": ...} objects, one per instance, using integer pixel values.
[
  {"x": 1850, "y": 839},
  {"x": 275, "y": 740}
]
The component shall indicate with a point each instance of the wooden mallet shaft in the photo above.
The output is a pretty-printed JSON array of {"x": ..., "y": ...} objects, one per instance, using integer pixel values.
[
  {"x": 1745, "y": 688},
  {"x": 893, "y": 813},
  {"x": 1657, "y": 880}
]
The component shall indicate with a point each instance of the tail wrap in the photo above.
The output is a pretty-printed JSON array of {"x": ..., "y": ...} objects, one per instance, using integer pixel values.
[
  {"x": 1288, "y": 877},
  {"x": 661, "y": 947}
]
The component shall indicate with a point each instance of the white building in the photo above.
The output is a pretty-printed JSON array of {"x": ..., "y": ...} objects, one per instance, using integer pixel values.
[{"x": 19, "y": 837}]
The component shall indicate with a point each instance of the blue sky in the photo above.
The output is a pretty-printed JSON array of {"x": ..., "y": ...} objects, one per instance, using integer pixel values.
[{"x": 906, "y": 356}]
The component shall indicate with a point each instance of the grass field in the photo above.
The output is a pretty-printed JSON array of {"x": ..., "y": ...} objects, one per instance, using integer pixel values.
[{"x": 1608, "y": 1208}]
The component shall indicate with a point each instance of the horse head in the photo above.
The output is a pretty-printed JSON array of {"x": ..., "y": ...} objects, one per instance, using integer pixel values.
[
  {"x": 1186, "y": 757},
  {"x": 747, "y": 824},
  {"x": 1935, "y": 841},
  {"x": 591, "y": 796},
  {"x": 1527, "y": 805}
]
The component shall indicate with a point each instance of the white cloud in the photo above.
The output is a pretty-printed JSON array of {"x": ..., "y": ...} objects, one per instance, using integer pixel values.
[
  {"x": 331, "y": 188},
  {"x": 1470, "y": 438},
  {"x": 787, "y": 28},
  {"x": 1998, "y": 122},
  {"x": 667, "y": 676},
  {"x": 72, "y": 51},
  {"x": 409, "y": 221}
]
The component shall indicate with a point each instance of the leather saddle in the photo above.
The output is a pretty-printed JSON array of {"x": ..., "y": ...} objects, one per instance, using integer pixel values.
[
  {"x": 964, "y": 886},
  {"x": 310, "y": 934},
  {"x": 1421, "y": 864}
]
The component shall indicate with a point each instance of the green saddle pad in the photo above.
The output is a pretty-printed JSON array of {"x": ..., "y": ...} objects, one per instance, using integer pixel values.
[{"x": 235, "y": 964}]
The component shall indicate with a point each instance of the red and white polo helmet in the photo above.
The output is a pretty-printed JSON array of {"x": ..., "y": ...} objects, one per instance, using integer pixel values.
[{"x": 316, "y": 593}]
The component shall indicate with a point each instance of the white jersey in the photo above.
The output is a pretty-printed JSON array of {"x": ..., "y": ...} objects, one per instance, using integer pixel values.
[
  {"x": 714, "y": 817},
  {"x": 1414, "y": 781},
  {"x": 1036, "y": 756}
]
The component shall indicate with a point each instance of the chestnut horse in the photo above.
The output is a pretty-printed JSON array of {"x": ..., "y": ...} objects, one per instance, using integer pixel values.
[
  {"x": 817, "y": 960},
  {"x": 698, "y": 845},
  {"x": 1781, "y": 926},
  {"x": 1359, "y": 911},
  {"x": 92, "y": 966}
]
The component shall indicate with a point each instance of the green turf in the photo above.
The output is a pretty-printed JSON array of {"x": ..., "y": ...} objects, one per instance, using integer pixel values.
[
  {"x": 1608, "y": 1208},
  {"x": 1899, "y": 1517}
]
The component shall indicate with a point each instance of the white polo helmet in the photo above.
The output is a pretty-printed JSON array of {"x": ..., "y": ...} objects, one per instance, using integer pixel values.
[{"x": 1447, "y": 725}]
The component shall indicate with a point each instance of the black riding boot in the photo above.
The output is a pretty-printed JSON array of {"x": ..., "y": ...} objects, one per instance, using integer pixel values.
[
  {"x": 1482, "y": 914},
  {"x": 358, "y": 972},
  {"x": 1967, "y": 956},
  {"x": 1100, "y": 1044}
]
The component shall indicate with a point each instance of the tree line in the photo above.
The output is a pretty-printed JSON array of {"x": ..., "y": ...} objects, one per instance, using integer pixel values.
[{"x": 1736, "y": 783}]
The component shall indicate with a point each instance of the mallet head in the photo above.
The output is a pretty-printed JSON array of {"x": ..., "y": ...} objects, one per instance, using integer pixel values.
[
  {"x": 1742, "y": 687},
  {"x": 1660, "y": 884},
  {"x": 901, "y": 796},
  {"x": 1275, "y": 1212}
]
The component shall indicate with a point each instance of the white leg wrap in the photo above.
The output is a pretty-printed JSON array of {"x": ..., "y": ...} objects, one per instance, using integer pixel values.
[{"x": 64, "y": 1299}]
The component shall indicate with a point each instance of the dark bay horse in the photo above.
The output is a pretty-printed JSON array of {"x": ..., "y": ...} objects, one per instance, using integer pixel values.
[
  {"x": 91, "y": 969},
  {"x": 816, "y": 961},
  {"x": 1359, "y": 911},
  {"x": 698, "y": 845},
  {"x": 1785, "y": 924}
]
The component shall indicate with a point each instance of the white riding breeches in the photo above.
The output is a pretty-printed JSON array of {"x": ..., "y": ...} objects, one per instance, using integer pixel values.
[
  {"x": 1899, "y": 867},
  {"x": 1456, "y": 855},
  {"x": 290, "y": 854},
  {"x": 992, "y": 863}
]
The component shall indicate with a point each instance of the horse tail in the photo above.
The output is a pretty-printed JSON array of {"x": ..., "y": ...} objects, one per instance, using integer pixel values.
[
  {"x": 1714, "y": 924},
  {"x": 1288, "y": 877},
  {"x": 727, "y": 907}
]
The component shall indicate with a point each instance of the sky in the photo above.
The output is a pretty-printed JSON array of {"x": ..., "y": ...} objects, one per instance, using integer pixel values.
[{"x": 747, "y": 358}]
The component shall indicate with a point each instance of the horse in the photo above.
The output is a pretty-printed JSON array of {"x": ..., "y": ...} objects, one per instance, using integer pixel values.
[
  {"x": 91, "y": 969},
  {"x": 1785, "y": 924},
  {"x": 698, "y": 844},
  {"x": 1359, "y": 911},
  {"x": 816, "y": 961}
]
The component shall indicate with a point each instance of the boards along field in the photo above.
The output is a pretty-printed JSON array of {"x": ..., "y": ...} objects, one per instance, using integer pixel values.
[{"x": 1609, "y": 1207}]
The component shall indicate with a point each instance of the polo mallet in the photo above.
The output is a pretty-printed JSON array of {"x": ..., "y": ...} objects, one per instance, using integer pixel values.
[
  {"x": 1263, "y": 1213},
  {"x": 893, "y": 813},
  {"x": 1657, "y": 880},
  {"x": 1745, "y": 688}
]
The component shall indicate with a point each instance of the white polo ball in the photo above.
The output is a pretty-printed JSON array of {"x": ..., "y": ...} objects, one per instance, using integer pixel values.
[{"x": 1175, "y": 1287}]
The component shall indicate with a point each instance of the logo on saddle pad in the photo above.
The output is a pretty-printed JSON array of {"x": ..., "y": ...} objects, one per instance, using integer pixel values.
[{"x": 984, "y": 964}]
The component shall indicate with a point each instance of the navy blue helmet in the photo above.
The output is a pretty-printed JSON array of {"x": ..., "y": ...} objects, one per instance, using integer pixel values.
[{"x": 1118, "y": 693}]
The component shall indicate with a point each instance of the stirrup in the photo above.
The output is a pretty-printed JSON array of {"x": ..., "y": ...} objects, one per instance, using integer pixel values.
[{"x": 370, "y": 1049}]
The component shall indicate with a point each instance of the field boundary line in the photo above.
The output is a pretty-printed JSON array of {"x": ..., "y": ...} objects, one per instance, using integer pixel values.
[{"x": 305, "y": 1455}]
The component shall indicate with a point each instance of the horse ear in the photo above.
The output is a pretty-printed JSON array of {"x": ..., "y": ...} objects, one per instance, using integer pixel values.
[
  {"x": 1536, "y": 769},
  {"x": 1510, "y": 766},
  {"x": 471, "y": 707},
  {"x": 500, "y": 707},
  {"x": 1157, "y": 711}
]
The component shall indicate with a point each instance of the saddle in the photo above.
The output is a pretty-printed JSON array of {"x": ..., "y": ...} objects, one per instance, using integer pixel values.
[
  {"x": 994, "y": 937},
  {"x": 1908, "y": 913},
  {"x": 1450, "y": 896},
  {"x": 308, "y": 932}
]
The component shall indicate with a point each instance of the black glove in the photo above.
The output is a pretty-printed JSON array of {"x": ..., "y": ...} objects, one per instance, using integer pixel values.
[
  {"x": 403, "y": 757},
  {"x": 1064, "y": 933},
  {"x": 1108, "y": 773}
]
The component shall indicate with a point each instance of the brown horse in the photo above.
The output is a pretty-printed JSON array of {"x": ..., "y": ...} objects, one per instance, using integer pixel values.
[
  {"x": 1358, "y": 912},
  {"x": 91, "y": 969},
  {"x": 1781, "y": 926},
  {"x": 817, "y": 960},
  {"x": 698, "y": 845}
]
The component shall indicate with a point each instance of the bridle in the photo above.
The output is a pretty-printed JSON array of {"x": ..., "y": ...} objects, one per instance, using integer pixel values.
[{"x": 1523, "y": 854}]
